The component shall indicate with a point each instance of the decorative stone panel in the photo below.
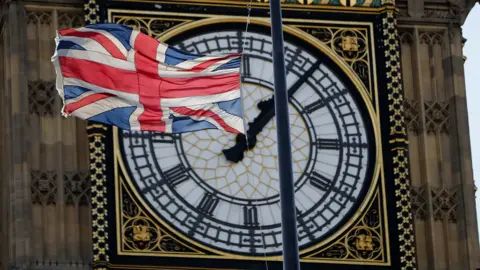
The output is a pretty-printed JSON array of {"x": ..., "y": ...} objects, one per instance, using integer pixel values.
[
  {"x": 419, "y": 202},
  {"x": 412, "y": 115},
  {"x": 77, "y": 188},
  {"x": 406, "y": 37},
  {"x": 44, "y": 187},
  {"x": 41, "y": 98},
  {"x": 39, "y": 17},
  {"x": 445, "y": 203},
  {"x": 69, "y": 20},
  {"x": 437, "y": 116},
  {"x": 431, "y": 38}
]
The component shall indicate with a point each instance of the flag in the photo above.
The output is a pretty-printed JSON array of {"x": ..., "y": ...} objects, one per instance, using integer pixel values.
[{"x": 116, "y": 75}]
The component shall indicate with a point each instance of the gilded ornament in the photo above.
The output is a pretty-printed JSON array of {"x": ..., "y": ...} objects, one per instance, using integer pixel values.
[
  {"x": 350, "y": 44},
  {"x": 364, "y": 242},
  {"x": 398, "y": 139},
  {"x": 98, "y": 191},
  {"x": 141, "y": 233}
]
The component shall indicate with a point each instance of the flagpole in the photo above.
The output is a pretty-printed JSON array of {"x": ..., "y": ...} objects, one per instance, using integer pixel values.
[{"x": 287, "y": 201}]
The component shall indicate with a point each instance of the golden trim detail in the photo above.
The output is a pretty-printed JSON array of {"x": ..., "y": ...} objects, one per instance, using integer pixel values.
[
  {"x": 399, "y": 144},
  {"x": 98, "y": 178},
  {"x": 92, "y": 12},
  {"x": 349, "y": 43}
]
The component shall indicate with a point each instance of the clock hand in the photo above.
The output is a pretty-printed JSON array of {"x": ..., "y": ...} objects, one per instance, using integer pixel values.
[{"x": 267, "y": 111}]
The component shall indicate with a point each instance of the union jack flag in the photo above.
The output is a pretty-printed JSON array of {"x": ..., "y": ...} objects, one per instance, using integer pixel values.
[{"x": 116, "y": 75}]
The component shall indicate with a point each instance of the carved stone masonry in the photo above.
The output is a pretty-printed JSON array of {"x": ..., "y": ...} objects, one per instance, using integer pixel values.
[
  {"x": 446, "y": 10},
  {"x": 445, "y": 202},
  {"x": 77, "y": 188},
  {"x": 44, "y": 187},
  {"x": 419, "y": 201},
  {"x": 437, "y": 116},
  {"x": 39, "y": 17},
  {"x": 66, "y": 20},
  {"x": 412, "y": 115},
  {"x": 41, "y": 98}
]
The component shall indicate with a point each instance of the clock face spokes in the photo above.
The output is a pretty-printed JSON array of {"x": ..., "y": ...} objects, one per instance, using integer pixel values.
[{"x": 235, "y": 206}]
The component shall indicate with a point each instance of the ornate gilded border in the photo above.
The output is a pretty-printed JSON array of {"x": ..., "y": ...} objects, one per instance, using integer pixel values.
[
  {"x": 399, "y": 143},
  {"x": 92, "y": 12},
  {"x": 365, "y": 241},
  {"x": 98, "y": 178}
]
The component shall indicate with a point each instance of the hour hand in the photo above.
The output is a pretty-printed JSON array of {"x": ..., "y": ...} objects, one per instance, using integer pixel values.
[
  {"x": 247, "y": 142},
  {"x": 236, "y": 153}
]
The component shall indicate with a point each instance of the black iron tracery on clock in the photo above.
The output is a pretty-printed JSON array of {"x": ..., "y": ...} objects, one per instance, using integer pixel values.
[{"x": 185, "y": 190}]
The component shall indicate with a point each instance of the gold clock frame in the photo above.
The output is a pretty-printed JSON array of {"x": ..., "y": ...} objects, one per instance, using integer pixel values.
[{"x": 296, "y": 28}]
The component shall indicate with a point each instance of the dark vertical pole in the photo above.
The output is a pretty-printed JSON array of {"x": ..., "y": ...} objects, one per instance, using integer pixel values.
[{"x": 289, "y": 221}]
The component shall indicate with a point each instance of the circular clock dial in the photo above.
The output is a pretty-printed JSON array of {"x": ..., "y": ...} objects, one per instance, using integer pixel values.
[{"x": 227, "y": 197}]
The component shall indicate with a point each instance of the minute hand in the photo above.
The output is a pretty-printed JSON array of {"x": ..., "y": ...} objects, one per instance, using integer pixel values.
[{"x": 267, "y": 111}]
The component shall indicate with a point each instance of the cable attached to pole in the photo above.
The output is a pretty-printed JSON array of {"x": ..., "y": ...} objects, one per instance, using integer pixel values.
[{"x": 249, "y": 10}]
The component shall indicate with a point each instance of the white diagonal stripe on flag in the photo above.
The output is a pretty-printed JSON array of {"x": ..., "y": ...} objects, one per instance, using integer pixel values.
[
  {"x": 98, "y": 58},
  {"x": 89, "y": 44},
  {"x": 192, "y": 101},
  {"x": 100, "y": 106},
  {"x": 132, "y": 98},
  {"x": 111, "y": 37}
]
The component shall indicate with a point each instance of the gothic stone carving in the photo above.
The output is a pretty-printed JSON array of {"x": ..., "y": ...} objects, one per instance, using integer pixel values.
[
  {"x": 77, "y": 188},
  {"x": 419, "y": 202},
  {"x": 44, "y": 187},
  {"x": 445, "y": 202},
  {"x": 437, "y": 116},
  {"x": 412, "y": 115},
  {"x": 41, "y": 98}
]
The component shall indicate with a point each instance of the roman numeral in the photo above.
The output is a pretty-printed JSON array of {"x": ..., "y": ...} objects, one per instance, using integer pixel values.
[
  {"x": 294, "y": 88},
  {"x": 208, "y": 204},
  {"x": 246, "y": 70},
  {"x": 250, "y": 216},
  {"x": 162, "y": 138},
  {"x": 323, "y": 102},
  {"x": 319, "y": 181},
  {"x": 328, "y": 144},
  {"x": 315, "y": 106},
  {"x": 176, "y": 175}
]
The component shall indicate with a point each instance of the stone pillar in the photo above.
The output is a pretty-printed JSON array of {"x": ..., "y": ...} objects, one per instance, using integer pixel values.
[
  {"x": 461, "y": 154},
  {"x": 15, "y": 129},
  {"x": 3, "y": 190}
]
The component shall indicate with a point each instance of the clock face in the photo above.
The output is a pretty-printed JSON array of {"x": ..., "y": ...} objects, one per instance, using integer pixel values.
[{"x": 227, "y": 198}]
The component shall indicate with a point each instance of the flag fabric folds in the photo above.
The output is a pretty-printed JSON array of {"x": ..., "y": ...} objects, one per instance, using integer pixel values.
[{"x": 116, "y": 75}]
